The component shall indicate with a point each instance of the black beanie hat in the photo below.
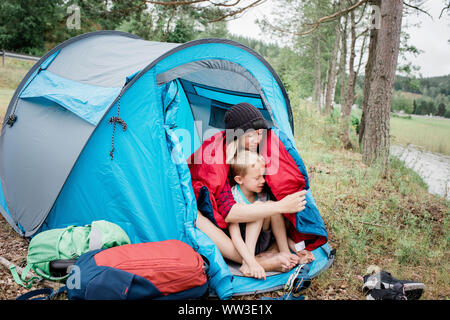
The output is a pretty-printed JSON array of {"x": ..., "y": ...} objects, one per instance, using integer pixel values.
[{"x": 244, "y": 116}]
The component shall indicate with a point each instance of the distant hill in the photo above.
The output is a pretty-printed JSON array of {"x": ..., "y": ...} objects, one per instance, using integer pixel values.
[{"x": 431, "y": 86}]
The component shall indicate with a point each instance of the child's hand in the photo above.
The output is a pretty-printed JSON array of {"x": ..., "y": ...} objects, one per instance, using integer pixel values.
[
  {"x": 256, "y": 271},
  {"x": 293, "y": 203}
]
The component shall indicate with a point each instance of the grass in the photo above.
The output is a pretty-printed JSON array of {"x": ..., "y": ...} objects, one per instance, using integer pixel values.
[
  {"x": 10, "y": 76},
  {"x": 393, "y": 223},
  {"x": 429, "y": 133},
  {"x": 432, "y": 134}
]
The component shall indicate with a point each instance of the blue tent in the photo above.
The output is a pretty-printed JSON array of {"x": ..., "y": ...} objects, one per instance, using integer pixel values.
[{"x": 101, "y": 126}]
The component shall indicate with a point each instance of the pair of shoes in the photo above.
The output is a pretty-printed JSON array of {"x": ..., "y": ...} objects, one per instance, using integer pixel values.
[
  {"x": 383, "y": 280},
  {"x": 395, "y": 293}
]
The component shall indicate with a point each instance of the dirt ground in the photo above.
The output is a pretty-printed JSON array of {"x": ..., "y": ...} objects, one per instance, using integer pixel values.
[{"x": 14, "y": 249}]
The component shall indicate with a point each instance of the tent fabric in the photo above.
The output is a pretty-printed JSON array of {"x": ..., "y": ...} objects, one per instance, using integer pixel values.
[
  {"x": 242, "y": 80},
  {"x": 322, "y": 261},
  {"x": 108, "y": 59},
  {"x": 55, "y": 164},
  {"x": 89, "y": 102},
  {"x": 37, "y": 153}
]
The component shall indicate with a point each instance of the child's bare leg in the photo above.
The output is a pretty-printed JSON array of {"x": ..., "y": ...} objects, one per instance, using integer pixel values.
[
  {"x": 222, "y": 241},
  {"x": 279, "y": 232},
  {"x": 266, "y": 224},
  {"x": 252, "y": 231}
]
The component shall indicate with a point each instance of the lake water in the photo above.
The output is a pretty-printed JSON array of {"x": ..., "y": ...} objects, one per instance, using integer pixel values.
[{"x": 433, "y": 168}]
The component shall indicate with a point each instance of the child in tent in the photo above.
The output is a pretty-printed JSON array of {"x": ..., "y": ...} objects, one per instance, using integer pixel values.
[{"x": 253, "y": 238}]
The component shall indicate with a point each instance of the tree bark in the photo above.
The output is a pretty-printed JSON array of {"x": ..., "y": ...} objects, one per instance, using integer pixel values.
[
  {"x": 331, "y": 82},
  {"x": 343, "y": 64},
  {"x": 347, "y": 107},
  {"x": 379, "y": 82},
  {"x": 368, "y": 75},
  {"x": 318, "y": 73}
]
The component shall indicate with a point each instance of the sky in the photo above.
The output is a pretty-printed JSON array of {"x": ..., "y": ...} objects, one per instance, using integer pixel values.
[{"x": 431, "y": 36}]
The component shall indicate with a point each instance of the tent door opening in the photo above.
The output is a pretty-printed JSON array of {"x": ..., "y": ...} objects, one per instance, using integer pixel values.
[{"x": 207, "y": 89}]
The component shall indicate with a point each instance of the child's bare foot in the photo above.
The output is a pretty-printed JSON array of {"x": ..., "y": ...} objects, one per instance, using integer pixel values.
[
  {"x": 293, "y": 259},
  {"x": 305, "y": 256},
  {"x": 245, "y": 269},
  {"x": 275, "y": 262}
]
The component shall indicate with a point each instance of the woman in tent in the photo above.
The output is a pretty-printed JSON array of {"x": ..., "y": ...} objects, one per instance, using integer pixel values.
[{"x": 211, "y": 183}]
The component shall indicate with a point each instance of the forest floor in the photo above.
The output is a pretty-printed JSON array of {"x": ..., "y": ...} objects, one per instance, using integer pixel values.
[{"x": 391, "y": 222}]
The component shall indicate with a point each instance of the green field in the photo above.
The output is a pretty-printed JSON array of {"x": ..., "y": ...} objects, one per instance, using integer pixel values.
[
  {"x": 10, "y": 76},
  {"x": 430, "y": 133}
]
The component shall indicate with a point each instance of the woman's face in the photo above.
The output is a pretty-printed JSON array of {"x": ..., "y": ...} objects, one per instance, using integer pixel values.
[{"x": 250, "y": 140}]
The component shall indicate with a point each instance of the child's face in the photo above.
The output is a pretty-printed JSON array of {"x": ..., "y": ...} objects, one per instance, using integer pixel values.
[{"x": 253, "y": 180}]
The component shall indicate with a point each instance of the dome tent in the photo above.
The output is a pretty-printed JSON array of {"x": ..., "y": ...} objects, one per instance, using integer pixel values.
[{"x": 92, "y": 130}]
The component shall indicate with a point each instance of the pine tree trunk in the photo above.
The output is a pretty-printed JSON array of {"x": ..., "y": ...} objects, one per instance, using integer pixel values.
[
  {"x": 368, "y": 75},
  {"x": 347, "y": 108},
  {"x": 342, "y": 65},
  {"x": 383, "y": 56},
  {"x": 318, "y": 72},
  {"x": 331, "y": 82}
]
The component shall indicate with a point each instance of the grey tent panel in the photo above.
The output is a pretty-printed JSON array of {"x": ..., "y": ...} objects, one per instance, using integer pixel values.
[
  {"x": 216, "y": 73},
  {"x": 107, "y": 60},
  {"x": 37, "y": 153},
  {"x": 228, "y": 80},
  {"x": 66, "y": 43}
]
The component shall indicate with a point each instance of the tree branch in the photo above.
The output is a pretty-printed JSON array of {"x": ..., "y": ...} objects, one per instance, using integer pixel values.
[
  {"x": 445, "y": 8},
  {"x": 224, "y": 4},
  {"x": 214, "y": 4},
  {"x": 324, "y": 19},
  {"x": 236, "y": 12},
  {"x": 418, "y": 9},
  {"x": 362, "y": 33},
  {"x": 175, "y": 3}
]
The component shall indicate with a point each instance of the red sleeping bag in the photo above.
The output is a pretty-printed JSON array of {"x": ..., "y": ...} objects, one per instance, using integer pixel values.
[{"x": 209, "y": 169}]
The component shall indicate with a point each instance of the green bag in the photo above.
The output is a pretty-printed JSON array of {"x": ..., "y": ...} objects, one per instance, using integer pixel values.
[{"x": 67, "y": 243}]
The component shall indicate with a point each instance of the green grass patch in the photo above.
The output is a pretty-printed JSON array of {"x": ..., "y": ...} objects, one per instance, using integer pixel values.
[
  {"x": 10, "y": 77},
  {"x": 429, "y": 133}
]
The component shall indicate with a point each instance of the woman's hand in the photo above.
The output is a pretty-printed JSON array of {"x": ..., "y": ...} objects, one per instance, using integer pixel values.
[{"x": 293, "y": 203}]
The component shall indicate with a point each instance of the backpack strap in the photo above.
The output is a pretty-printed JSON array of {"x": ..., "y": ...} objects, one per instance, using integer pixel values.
[
  {"x": 42, "y": 274},
  {"x": 48, "y": 294},
  {"x": 28, "y": 283},
  {"x": 22, "y": 280}
]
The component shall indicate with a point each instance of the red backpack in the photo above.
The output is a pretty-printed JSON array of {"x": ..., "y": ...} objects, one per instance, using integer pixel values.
[{"x": 168, "y": 269}]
